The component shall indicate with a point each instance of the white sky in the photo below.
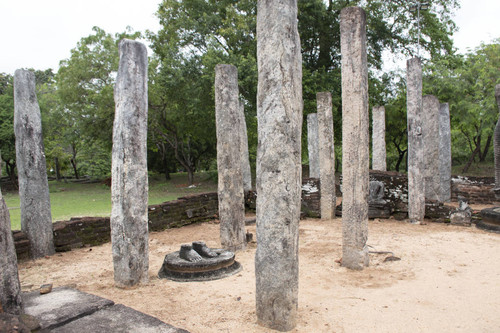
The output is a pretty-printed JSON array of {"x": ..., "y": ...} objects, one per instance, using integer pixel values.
[{"x": 38, "y": 34}]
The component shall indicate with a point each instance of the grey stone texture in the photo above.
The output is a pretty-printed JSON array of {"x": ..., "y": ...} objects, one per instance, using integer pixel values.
[
  {"x": 129, "y": 187},
  {"x": 430, "y": 133},
  {"x": 444, "y": 153},
  {"x": 230, "y": 185},
  {"x": 36, "y": 218},
  {"x": 326, "y": 155},
  {"x": 355, "y": 138},
  {"x": 313, "y": 145},
  {"x": 416, "y": 183},
  {"x": 10, "y": 288},
  {"x": 378, "y": 139},
  {"x": 61, "y": 306},
  {"x": 279, "y": 171},
  {"x": 245, "y": 157},
  {"x": 496, "y": 143},
  {"x": 70, "y": 310}
]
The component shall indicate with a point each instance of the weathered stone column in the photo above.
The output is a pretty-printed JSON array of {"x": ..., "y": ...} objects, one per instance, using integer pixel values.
[
  {"x": 430, "y": 134},
  {"x": 326, "y": 155},
  {"x": 444, "y": 152},
  {"x": 355, "y": 138},
  {"x": 378, "y": 139},
  {"x": 313, "y": 145},
  {"x": 10, "y": 288},
  {"x": 36, "y": 218},
  {"x": 416, "y": 188},
  {"x": 496, "y": 144},
  {"x": 279, "y": 171},
  {"x": 245, "y": 158},
  {"x": 229, "y": 161},
  {"x": 129, "y": 187}
]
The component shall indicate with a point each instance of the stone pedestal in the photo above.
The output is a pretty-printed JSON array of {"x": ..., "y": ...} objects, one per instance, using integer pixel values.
[
  {"x": 355, "y": 138},
  {"x": 444, "y": 153},
  {"x": 326, "y": 155},
  {"x": 378, "y": 139},
  {"x": 313, "y": 145},
  {"x": 129, "y": 187},
  {"x": 279, "y": 171},
  {"x": 230, "y": 186},
  {"x": 430, "y": 123},
  {"x": 416, "y": 182},
  {"x": 36, "y": 218}
]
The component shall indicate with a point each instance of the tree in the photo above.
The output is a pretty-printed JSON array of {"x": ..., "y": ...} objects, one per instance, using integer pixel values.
[
  {"x": 467, "y": 83},
  {"x": 201, "y": 33}
]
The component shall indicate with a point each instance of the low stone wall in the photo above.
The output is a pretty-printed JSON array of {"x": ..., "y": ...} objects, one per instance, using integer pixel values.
[
  {"x": 476, "y": 190},
  {"x": 91, "y": 231}
]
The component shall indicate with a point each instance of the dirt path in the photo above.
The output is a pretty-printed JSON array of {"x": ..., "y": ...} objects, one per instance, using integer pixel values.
[{"x": 448, "y": 280}]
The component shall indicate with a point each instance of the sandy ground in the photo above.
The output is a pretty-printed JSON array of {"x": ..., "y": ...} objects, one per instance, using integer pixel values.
[{"x": 448, "y": 280}]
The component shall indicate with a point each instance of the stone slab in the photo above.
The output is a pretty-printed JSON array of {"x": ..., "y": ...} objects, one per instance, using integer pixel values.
[
  {"x": 118, "y": 318},
  {"x": 62, "y": 305}
]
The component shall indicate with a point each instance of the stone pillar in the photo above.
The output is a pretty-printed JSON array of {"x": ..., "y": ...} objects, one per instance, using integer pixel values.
[
  {"x": 129, "y": 187},
  {"x": 36, "y": 218},
  {"x": 430, "y": 136},
  {"x": 326, "y": 156},
  {"x": 245, "y": 158},
  {"x": 444, "y": 153},
  {"x": 279, "y": 171},
  {"x": 229, "y": 162},
  {"x": 416, "y": 194},
  {"x": 313, "y": 145},
  {"x": 10, "y": 288},
  {"x": 378, "y": 139},
  {"x": 496, "y": 144},
  {"x": 355, "y": 138}
]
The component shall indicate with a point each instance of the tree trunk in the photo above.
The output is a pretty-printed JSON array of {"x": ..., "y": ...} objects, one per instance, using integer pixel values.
[
  {"x": 471, "y": 158},
  {"x": 486, "y": 148},
  {"x": 190, "y": 172},
  {"x": 75, "y": 169},
  {"x": 58, "y": 169},
  {"x": 400, "y": 159}
]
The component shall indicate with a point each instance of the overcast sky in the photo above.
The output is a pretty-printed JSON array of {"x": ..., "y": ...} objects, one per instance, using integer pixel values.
[{"x": 38, "y": 34}]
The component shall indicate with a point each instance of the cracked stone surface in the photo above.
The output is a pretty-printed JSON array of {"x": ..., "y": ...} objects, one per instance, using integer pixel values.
[
  {"x": 36, "y": 218},
  {"x": 129, "y": 187},
  {"x": 430, "y": 122},
  {"x": 355, "y": 142},
  {"x": 378, "y": 139},
  {"x": 328, "y": 197},
  {"x": 444, "y": 153},
  {"x": 230, "y": 179},
  {"x": 313, "y": 145},
  {"x": 416, "y": 182},
  {"x": 279, "y": 171}
]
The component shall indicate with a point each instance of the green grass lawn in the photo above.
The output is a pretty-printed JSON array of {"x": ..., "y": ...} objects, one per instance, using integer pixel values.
[{"x": 72, "y": 199}]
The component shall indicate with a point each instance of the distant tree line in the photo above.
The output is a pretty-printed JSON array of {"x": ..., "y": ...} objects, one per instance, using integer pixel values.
[{"x": 78, "y": 108}]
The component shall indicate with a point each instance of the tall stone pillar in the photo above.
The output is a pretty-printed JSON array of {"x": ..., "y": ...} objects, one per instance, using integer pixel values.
[
  {"x": 355, "y": 138},
  {"x": 313, "y": 145},
  {"x": 444, "y": 152},
  {"x": 279, "y": 171},
  {"x": 326, "y": 156},
  {"x": 378, "y": 139},
  {"x": 245, "y": 158},
  {"x": 496, "y": 144},
  {"x": 430, "y": 124},
  {"x": 36, "y": 218},
  {"x": 229, "y": 162},
  {"x": 416, "y": 188},
  {"x": 10, "y": 287},
  {"x": 129, "y": 187}
]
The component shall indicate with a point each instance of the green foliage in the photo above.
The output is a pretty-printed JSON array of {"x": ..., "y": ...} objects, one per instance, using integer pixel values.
[{"x": 467, "y": 83}]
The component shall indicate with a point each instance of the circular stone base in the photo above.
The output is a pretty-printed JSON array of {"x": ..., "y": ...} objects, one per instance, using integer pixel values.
[
  {"x": 491, "y": 219},
  {"x": 207, "y": 269}
]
